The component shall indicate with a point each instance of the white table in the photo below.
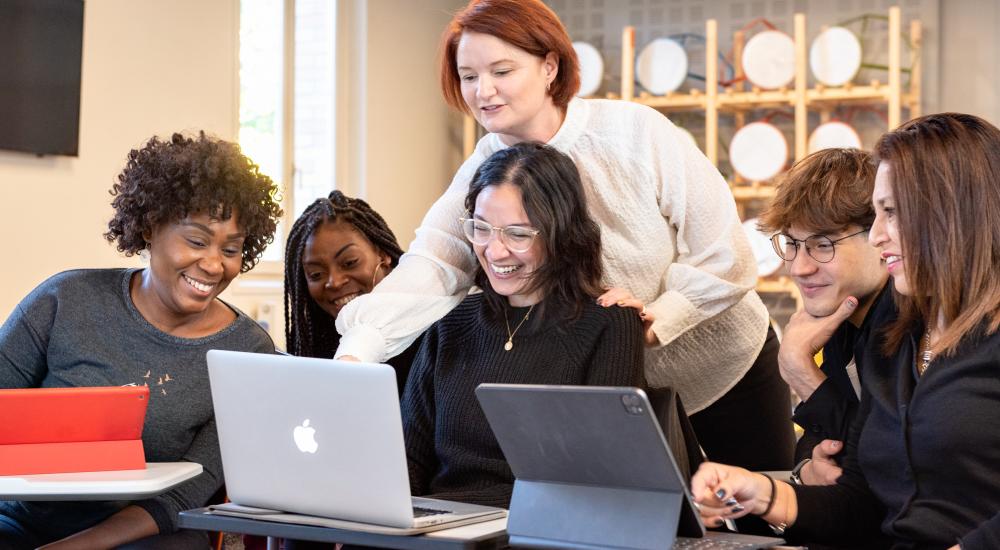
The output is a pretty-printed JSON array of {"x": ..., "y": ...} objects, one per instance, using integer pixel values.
[{"x": 157, "y": 478}]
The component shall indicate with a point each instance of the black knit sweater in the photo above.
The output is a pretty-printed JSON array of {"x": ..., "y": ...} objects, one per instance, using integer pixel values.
[{"x": 450, "y": 447}]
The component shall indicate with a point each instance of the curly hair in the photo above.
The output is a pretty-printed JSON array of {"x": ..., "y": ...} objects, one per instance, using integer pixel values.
[
  {"x": 556, "y": 205},
  {"x": 309, "y": 330},
  {"x": 166, "y": 181}
]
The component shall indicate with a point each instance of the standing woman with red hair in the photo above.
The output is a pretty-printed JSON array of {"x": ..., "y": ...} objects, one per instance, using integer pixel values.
[{"x": 673, "y": 248}]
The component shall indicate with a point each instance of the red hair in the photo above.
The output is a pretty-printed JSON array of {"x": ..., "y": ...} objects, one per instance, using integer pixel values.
[{"x": 526, "y": 24}]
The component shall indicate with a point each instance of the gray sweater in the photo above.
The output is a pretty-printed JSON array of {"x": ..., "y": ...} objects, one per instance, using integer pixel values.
[{"x": 80, "y": 328}]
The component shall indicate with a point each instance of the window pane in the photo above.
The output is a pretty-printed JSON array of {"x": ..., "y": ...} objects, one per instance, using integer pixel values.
[
  {"x": 261, "y": 98},
  {"x": 314, "y": 106}
]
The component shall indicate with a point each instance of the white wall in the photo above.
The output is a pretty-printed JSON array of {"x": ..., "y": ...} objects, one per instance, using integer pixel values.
[
  {"x": 154, "y": 67},
  {"x": 149, "y": 67},
  {"x": 970, "y": 64},
  {"x": 400, "y": 143}
]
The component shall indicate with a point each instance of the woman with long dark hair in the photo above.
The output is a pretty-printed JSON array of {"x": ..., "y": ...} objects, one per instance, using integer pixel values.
[
  {"x": 337, "y": 250},
  {"x": 536, "y": 321}
]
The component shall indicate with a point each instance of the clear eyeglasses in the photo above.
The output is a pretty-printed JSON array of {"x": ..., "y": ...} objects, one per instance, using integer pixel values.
[
  {"x": 819, "y": 247},
  {"x": 516, "y": 239}
]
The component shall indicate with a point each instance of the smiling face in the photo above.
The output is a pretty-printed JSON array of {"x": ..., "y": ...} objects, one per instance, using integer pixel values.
[
  {"x": 191, "y": 262},
  {"x": 340, "y": 264},
  {"x": 885, "y": 230},
  {"x": 855, "y": 270},
  {"x": 505, "y": 88},
  {"x": 509, "y": 272}
]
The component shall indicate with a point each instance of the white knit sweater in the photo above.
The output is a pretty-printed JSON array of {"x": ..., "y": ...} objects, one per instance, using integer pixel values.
[{"x": 670, "y": 234}]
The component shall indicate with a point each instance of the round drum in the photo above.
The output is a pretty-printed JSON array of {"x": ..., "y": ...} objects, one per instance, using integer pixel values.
[
  {"x": 662, "y": 66},
  {"x": 834, "y": 135},
  {"x": 835, "y": 56},
  {"x": 591, "y": 68},
  {"x": 768, "y": 263},
  {"x": 769, "y": 59},
  {"x": 758, "y": 151}
]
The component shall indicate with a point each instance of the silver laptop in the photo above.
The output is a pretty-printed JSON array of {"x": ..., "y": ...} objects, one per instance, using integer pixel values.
[
  {"x": 322, "y": 438},
  {"x": 593, "y": 470}
]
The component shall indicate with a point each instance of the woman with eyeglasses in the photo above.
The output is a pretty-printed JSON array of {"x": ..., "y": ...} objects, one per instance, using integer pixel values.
[
  {"x": 921, "y": 459},
  {"x": 536, "y": 321},
  {"x": 673, "y": 248}
]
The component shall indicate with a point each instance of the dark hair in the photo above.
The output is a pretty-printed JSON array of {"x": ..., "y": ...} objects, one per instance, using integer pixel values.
[
  {"x": 309, "y": 330},
  {"x": 556, "y": 205},
  {"x": 945, "y": 179},
  {"x": 527, "y": 24},
  {"x": 825, "y": 192},
  {"x": 166, "y": 181}
]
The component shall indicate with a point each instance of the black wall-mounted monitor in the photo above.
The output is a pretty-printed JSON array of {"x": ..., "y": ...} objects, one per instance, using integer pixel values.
[{"x": 41, "y": 49}]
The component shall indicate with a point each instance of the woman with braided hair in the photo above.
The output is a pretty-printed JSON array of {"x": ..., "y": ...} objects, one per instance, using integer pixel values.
[{"x": 337, "y": 250}]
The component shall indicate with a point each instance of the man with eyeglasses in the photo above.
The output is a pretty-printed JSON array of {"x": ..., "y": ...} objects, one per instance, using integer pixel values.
[{"x": 820, "y": 218}]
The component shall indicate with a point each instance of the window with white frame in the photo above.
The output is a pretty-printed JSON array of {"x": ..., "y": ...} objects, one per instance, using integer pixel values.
[{"x": 287, "y": 99}]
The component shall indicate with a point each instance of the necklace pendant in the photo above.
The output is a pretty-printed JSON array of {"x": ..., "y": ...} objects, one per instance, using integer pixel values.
[{"x": 508, "y": 346}]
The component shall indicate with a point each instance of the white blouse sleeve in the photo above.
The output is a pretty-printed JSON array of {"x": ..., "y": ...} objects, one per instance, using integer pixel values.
[
  {"x": 714, "y": 267},
  {"x": 431, "y": 279}
]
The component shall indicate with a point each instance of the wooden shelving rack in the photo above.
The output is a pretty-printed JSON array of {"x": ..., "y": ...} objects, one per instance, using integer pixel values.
[{"x": 738, "y": 101}]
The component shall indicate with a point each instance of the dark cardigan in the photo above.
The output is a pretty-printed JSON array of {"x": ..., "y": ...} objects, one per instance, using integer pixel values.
[{"x": 923, "y": 459}]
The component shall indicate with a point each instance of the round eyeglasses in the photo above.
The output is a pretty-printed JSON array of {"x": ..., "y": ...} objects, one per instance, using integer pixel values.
[
  {"x": 819, "y": 247},
  {"x": 516, "y": 239}
]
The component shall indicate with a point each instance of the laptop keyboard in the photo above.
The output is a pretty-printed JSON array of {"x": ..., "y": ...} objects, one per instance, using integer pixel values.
[
  {"x": 710, "y": 544},
  {"x": 419, "y": 512}
]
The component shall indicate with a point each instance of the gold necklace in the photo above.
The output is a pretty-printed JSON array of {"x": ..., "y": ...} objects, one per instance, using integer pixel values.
[
  {"x": 510, "y": 335},
  {"x": 926, "y": 355}
]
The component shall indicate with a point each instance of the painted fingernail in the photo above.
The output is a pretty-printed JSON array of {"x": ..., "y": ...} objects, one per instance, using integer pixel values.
[
  {"x": 731, "y": 502},
  {"x": 720, "y": 493},
  {"x": 737, "y": 509},
  {"x": 621, "y": 302},
  {"x": 718, "y": 523}
]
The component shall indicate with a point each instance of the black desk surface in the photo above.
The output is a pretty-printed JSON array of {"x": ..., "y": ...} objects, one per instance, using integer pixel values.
[{"x": 202, "y": 520}]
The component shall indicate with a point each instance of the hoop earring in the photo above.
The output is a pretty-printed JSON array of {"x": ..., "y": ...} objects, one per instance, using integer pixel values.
[
  {"x": 378, "y": 267},
  {"x": 548, "y": 87},
  {"x": 144, "y": 254}
]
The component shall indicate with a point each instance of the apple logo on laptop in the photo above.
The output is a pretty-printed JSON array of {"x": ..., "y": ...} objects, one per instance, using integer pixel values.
[{"x": 305, "y": 437}]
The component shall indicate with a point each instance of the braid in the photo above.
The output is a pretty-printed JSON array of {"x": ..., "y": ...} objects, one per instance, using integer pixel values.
[
  {"x": 369, "y": 222},
  {"x": 309, "y": 330}
]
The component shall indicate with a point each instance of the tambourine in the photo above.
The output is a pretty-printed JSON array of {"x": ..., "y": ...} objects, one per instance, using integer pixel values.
[
  {"x": 662, "y": 66},
  {"x": 769, "y": 59},
  {"x": 835, "y": 56},
  {"x": 834, "y": 134},
  {"x": 758, "y": 151},
  {"x": 591, "y": 68}
]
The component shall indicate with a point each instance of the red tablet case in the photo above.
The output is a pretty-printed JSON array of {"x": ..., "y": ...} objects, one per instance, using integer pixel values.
[{"x": 61, "y": 430}]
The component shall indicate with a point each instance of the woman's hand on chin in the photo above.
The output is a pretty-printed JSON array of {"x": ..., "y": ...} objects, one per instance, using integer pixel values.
[{"x": 623, "y": 298}]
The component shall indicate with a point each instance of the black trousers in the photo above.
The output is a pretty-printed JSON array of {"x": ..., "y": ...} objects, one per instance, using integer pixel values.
[{"x": 751, "y": 424}]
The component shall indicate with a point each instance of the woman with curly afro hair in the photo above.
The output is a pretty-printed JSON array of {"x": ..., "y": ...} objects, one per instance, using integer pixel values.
[{"x": 199, "y": 212}]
